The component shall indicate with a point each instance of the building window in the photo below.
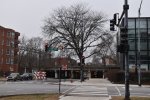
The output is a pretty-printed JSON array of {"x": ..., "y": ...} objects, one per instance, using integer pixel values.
[
  {"x": 7, "y": 52},
  {"x": 132, "y": 55},
  {"x": 131, "y": 44},
  {"x": 3, "y": 33},
  {"x": 13, "y": 35},
  {"x": 12, "y": 52},
  {"x": 148, "y": 23},
  {"x": 2, "y": 42},
  {"x": 1, "y": 51},
  {"x": 143, "y": 23},
  {"x": 131, "y": 23},
  {"x": 8, "y": 43},
  {"x": 131, "y": 33},
  {"x": 143, "y": 44},
  {"x": 1, "y": 61},
  {"x": 149, "y": 33},
  {"x": 143, "y": 56},
  {"x": 8, "y": 34},
  {"x": 8, "y": 61},
  {"x": 12, "y": 61}
]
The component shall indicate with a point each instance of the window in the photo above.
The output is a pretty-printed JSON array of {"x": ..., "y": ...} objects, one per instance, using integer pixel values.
[
  {"x": 131, "y": 44},
  {"x": 1, "y": 51},
  {"x": 132, "y": 55},
  {"x": 8, "y": 52},
  {"x": 1, "y": 61},
  {"x": 143, "y": 23},
  {"x": 12, "y": 43},
  {"x": 143, "y": 33},
  {"x": 3, "y": 33},
  {"x": 8, "y": 34},
  {"x": 143, "y": 56},
  {"x": 8, "y": 61},
  {"x": 2, "y": 42},
  {"x": 131, "y": 23},
  {"x": 149, "y": 55},
  {"x": 143, "y": 44},
  {"x": 131, "y": 33},
  {"x": 13, "y": 35},
  {"x": 148, "y": 23},
  {"x": 12, "y": 61},
  {"x": 12, "y": 52},
  {"x": 8, "y": 43},
  {"x": 149, "y": 33}
]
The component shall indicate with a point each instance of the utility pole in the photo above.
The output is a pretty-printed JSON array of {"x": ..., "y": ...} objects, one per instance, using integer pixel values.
[
  {"x": 127, "y": 91},
  {"x": 124, "y": 46},
  {"x": 139, "y": 36}
]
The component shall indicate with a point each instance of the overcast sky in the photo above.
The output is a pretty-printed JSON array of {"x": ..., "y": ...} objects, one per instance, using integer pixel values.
[{"x": 26, "y": 16}]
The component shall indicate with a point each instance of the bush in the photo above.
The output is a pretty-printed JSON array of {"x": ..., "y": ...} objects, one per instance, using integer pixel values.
[{"x": 118, "y": 76}]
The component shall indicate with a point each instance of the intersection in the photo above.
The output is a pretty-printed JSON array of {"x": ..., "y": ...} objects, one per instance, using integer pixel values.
[{"x": 92, "y": 88}]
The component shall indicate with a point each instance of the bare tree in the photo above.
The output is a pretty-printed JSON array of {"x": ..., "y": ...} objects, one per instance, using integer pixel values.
[
  {"x": 79, "y": 29},
  {"x": 31, "y": 54}
]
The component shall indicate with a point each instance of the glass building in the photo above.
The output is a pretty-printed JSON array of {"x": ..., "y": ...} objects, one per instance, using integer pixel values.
[{"x": 136, "y": 26}]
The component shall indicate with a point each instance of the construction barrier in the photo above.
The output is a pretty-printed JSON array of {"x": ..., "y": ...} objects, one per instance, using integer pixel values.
[{"x": 40, "y": 75}]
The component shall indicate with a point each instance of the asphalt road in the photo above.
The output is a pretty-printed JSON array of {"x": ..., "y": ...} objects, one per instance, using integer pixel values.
[
  {"x": 134, "y": 90},
  {"x": 30, "y": 87},
  {"x": 51, "y": 86}
]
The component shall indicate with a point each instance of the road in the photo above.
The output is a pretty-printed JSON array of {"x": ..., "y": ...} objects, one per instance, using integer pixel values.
[
  {"x": 94, "y": 88},
  {"x": 102, "y": 87},
  {"x": 135, "y": 90},
  {"x": 30, "y": 87}
]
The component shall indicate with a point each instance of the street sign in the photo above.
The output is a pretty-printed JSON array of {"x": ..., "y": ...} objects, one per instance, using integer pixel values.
[
  {"x": 64, "y": 67},
  {"x": 52, "y": 49}
]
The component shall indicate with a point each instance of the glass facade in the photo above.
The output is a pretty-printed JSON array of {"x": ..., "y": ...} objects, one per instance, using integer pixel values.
[{"x": 141, "y": 26}]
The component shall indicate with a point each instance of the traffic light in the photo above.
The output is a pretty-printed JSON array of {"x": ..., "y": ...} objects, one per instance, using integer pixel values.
[
  {"x": 123, "y": 47},
  {"x": 115, "y": 19},
  {"x": 112, "y": 25},
  {"x": 113, "y": 22},
  {"x": 46, "y": 47}
]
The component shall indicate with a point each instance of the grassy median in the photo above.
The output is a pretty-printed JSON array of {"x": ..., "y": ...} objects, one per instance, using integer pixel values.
[
  {"x": 132, "y": 98},
  {"x": 32, "y": 97}
]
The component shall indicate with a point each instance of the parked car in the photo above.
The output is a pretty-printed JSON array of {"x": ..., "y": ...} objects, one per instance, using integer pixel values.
[
  {"x": 27, "y": 76},
  {"x": 14, "y": 77}
]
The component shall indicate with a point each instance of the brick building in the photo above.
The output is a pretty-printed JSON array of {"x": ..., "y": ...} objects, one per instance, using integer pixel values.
[{"x": 8, "y": 50}]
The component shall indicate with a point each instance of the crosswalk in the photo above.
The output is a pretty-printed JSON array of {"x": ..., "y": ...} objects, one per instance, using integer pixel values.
[{"x": 85, "y": 91}]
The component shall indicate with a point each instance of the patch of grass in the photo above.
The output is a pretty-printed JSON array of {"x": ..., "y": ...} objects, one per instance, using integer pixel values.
[
  {"x": 32, "y": 97},
  {"x": 132, "y": 98}
]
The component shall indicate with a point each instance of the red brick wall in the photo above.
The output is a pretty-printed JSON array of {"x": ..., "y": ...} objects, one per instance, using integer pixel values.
[{"x": 4, "y": 67}]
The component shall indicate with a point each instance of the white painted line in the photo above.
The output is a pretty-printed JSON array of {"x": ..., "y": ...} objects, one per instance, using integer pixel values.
[
  {"x": 118, "y": 90},
  {"x": 124, "y": 88},
  {"x": 65, "y": 92},
  {"x": 68, "y": 90}
]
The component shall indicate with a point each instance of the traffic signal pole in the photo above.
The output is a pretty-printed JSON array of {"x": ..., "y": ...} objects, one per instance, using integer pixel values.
[
  {"x": 127, "y": 91},
  {"x": 124, "y": 46}
]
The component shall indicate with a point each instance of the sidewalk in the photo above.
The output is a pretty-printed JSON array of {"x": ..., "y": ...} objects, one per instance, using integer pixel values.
[
  {"x": 92, "y": 89},
  {"x": 99, "y": 82}
]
